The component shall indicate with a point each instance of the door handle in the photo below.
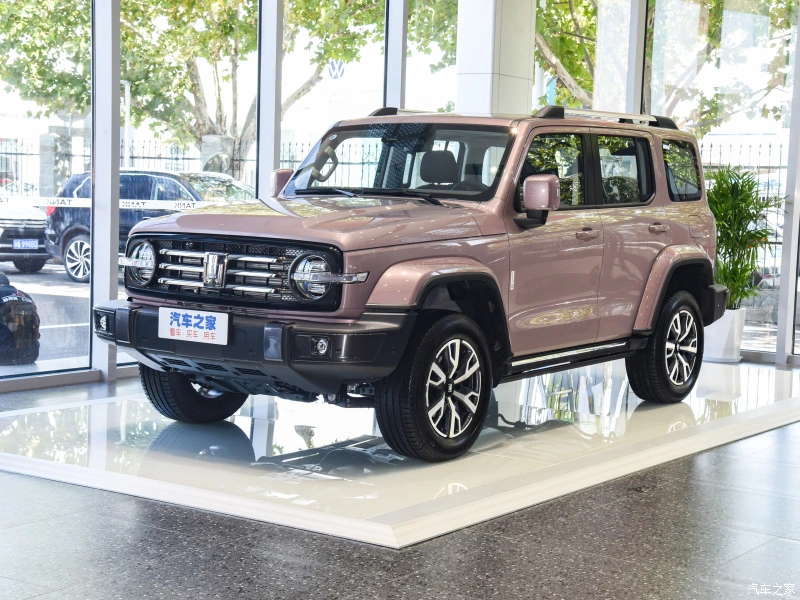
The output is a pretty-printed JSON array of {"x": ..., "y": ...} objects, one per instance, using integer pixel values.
[
  {"x": 658, "y": 228},
  {"x": 587, "y": 233}
]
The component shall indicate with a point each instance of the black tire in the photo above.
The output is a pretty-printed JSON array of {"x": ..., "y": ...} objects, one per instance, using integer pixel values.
[
  {"x": 403, "y": 409},
  {"x": 174, "y": 396},
  {"x": 77, "y": 258},
  {"x": 649, "y": 369},
  {"x": 30, "y": 265}
]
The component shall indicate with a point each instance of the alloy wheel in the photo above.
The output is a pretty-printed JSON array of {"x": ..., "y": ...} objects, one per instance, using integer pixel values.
[
  {"x": 681, "y": 347},
  {"x": 453, "y": 389},
  {"x": 78, "y": 258}
]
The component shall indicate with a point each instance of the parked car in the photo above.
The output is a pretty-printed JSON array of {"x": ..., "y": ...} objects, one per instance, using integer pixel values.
[
  {"x": 22, "y": 234},
  {"x": 144, "y": 194},
  {"x": 472, "y": 251}
]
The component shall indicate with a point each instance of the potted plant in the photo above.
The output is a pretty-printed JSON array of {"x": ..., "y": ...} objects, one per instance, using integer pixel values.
[{"x": 742, "y": 231}]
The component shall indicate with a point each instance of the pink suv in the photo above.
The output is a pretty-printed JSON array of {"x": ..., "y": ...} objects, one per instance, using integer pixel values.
[{"x": 413, "y": 262}]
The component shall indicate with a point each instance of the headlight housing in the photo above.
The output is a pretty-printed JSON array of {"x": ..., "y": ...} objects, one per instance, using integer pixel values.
[
  {"x": 311, "y": 277},
  {"x": 140, "y": 262},
  {"x": 308, "y": 276}
]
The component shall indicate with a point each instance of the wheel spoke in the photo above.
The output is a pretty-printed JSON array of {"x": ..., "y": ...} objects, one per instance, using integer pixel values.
[
  {"x": 466, "y": 400},
  {"x": 472, "y": 366},
  {"x": 441, "y": 377},
  {"x": 453, "y": 355},
  {"x": 454, "y": 418},
  {"x": 438, "y": 408}
]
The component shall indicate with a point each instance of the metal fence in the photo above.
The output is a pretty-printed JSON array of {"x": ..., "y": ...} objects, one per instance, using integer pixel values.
[{"x": 769, "y": 163}]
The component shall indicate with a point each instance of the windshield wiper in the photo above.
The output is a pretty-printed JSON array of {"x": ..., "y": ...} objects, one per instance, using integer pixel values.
[
  {"x": 323, "y": 190},
  {"x": 399, "y": 192}
]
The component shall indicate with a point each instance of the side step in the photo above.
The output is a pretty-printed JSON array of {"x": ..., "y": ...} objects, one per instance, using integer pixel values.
[{"x": 522, "y": 367}]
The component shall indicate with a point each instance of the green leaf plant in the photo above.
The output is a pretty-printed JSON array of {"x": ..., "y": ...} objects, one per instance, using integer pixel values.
[{"x": 742, "y": 229}]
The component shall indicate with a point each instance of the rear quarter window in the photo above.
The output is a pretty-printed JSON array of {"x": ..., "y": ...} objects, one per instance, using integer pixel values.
[{"x": 683, "y": 175}]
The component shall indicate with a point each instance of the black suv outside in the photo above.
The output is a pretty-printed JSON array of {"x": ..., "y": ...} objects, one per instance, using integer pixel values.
[{"x": 144, "y": 194}]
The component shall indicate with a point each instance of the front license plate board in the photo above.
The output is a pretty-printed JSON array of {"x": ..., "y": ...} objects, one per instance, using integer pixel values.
[
  {"x": 193, "y": 325},
  {"x": 25, "y": 244}
]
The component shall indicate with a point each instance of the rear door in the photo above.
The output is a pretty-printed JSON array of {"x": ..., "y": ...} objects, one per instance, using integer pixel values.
[
  {"x": 556, "y": 267},
  {"x": 635, "y": 225}
]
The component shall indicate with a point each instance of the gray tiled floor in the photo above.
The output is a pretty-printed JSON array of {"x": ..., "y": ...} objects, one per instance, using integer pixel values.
[{"x": 705, "y": 526}]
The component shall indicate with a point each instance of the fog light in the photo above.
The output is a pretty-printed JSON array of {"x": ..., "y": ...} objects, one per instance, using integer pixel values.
[
  {"x": 322, "y": 346},
  {"x": 103, "y": 323}
]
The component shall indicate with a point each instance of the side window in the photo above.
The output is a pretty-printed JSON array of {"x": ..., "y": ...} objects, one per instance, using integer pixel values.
[
  {"x": 491, "y": 162},
  {"x": 625, "y": 169},
  {"x": 84, "y": 189},
  {"x": 169, "y": 189},
  {"x": 134, "y": 187},
  {"x": 683, "y": 176},
  {"x": 559, "y": 154}
]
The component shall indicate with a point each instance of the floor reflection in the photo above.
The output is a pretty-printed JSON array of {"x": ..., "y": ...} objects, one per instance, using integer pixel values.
[{"x": 333, "y": 460}]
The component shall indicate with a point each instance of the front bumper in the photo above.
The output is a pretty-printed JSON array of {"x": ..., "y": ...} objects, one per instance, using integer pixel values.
[
  {"x": 9, "y": 234},
  {"x": 265, "y": 356}
]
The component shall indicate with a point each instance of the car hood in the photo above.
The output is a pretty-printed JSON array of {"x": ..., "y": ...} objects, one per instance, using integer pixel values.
[{"x": 348, "y": 223}]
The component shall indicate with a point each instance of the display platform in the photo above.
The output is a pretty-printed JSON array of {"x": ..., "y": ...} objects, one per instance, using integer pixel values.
[{"x": 324, "y": 468}]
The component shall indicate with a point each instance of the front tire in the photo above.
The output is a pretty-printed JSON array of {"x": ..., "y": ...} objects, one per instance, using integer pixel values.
[
  {"x": 433, "y": 406},
  {"x": 174, "y": 396},
  {"x": 30, "y": 265},
  {"x": 667, "y": 368},
  {"x": 78, "y": 259}
]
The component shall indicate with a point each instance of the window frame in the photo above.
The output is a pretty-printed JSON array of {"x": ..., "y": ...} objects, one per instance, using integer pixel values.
[
  {"x": 698, "y": 169},
  {"x": 588, "y": 171},
  {"x": 598, "y": 183}
]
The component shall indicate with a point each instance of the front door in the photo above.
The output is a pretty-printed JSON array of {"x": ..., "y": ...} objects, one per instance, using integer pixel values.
[{"x": 556, "y": 267}]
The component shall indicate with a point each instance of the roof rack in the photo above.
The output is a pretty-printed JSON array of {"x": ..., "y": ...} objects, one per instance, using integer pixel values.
[{"x": 560, "y": 112}]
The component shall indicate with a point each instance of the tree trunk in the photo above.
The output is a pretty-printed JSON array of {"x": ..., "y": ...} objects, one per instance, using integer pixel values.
[
  {"x": 203, "y": 124},
  {"x": 569, "y": 82},
  {"x": 248, "y": 137}
]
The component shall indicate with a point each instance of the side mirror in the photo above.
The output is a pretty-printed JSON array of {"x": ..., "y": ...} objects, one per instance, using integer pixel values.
[
  {"x": 280, "y": 178},
  {"x": 540, "y": 195}
]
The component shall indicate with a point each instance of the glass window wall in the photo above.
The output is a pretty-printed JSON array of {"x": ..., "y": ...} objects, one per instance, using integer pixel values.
[
  {"x": 45, "y": 147},
  {"x": 722, "y": 69}
]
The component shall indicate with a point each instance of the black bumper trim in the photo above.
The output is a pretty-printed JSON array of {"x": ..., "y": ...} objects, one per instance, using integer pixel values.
[{"x": 266, "y": 352}]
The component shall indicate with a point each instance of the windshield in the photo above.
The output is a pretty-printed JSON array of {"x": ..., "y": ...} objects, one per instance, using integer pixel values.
[
  {"x": 216, "y": 189},
  {"x": 441, "y": 160}
]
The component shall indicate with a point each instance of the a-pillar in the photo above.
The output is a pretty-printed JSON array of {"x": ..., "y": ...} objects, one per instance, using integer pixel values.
[{"x": 495, "y": 56}]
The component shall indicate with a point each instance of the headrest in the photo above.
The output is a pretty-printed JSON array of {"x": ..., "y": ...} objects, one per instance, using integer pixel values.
[{"x": 438, "y": 166}]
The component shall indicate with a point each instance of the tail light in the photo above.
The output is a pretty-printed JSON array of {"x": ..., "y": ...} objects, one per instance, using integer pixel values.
[{"x": 50, "y": 211}]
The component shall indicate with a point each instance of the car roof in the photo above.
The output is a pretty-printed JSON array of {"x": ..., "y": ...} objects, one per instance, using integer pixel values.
[{"x": 136, "y": 171}]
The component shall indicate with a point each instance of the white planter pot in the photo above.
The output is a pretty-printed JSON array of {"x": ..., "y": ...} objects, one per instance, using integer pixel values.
[{"x": 723, "y": 341}]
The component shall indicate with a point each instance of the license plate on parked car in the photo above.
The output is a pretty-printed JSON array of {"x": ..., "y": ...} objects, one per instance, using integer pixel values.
[
  {"x": 193, "y": 325},
  {"x": 25, "y": 244}
]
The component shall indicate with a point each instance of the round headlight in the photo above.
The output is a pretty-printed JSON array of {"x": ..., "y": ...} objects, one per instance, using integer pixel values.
[
  {"x": 142, "y": 262},
  {"x": 309, "y": 275}
]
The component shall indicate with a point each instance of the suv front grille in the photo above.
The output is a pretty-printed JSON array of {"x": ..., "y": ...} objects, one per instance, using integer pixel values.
[
  {"x": 257, "y": 273},
  {"x": 18, "y": 223}
]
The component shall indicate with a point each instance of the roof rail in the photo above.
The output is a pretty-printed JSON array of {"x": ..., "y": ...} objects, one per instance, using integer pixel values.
[
  {"x": 388, "y": 111},
  {"x": 560, "y": 112}
]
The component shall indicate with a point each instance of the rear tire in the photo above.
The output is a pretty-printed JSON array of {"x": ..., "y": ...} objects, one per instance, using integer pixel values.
[
  {"x": 30, "y": 265},
  {"x": 433, "y": 406},
  {"x": 78, "y": 259},
  {"x": 666, "y": 369},
  {"x": 174, "y": 396}
]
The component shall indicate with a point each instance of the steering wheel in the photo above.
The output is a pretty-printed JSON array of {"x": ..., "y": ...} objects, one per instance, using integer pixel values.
[{"x": 468, "y": 186}]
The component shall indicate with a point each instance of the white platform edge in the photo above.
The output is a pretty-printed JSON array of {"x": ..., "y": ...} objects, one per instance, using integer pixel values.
[
  {"x": 415, "y": 524},
  {"x": 187, "y": 496}
]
